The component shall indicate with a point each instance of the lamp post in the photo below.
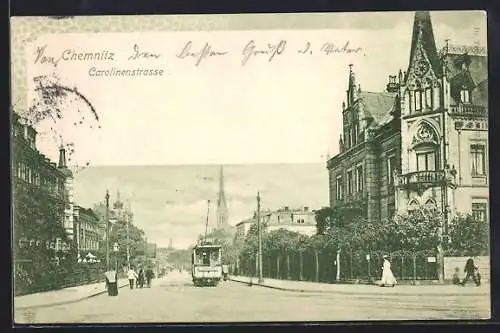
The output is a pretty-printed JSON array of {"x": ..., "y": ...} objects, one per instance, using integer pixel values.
[
  {"x": 107, "y": 230},
  {"x": 206, "y": 224},
  {"x": 129, "y": 215},
  {"x": 369, "y": 268},
  {"x": 260, "y": 238},
  {"x": 115, "y": 250}
]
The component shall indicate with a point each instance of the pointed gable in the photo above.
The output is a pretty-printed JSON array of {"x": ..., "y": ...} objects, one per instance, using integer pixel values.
[{"x": 423, "y": 42}]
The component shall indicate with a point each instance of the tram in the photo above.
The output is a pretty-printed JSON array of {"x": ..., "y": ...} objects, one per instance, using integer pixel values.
[{"x": 206, "y": 264}]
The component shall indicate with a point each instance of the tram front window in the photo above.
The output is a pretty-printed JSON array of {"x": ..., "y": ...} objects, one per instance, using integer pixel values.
[
  {"x": 208, "y": 257},
  {"x": 205, "y": 259}
]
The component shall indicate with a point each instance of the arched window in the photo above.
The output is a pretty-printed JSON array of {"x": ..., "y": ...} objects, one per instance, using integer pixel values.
[
  {"x": 408, "y": 102},
  {"x": 425, "y": 146},
  {"x": 428, "y": 94},
  {"x": 412, "y": 205},
  {"x": 418, "y": 100},
  {"x": 418, "y": 97},
  {"x": 430, "y": 204}
]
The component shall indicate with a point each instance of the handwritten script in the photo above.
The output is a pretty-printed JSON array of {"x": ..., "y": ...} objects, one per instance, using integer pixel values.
[
  {"x": 142, "y": 57},
  {"x": 205, "y": 52}
]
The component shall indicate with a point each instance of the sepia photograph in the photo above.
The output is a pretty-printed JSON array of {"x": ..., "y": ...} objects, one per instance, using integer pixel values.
[{"x": 314, "y": 167}]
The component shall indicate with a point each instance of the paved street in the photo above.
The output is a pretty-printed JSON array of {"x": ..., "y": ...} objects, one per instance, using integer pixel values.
[{"x": 174, "y": 299}]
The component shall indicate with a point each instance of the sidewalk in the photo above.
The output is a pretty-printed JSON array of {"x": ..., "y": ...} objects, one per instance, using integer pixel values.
[
  {"x": 63, "y": 296},
  {"x": 361, "y": 289}
]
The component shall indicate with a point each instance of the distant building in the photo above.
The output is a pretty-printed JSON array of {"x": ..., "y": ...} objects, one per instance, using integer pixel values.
[
  {"x": 86, "y": 231},
  {"x": 243, "y": 227},
  {"x": 424, "y": 141},
  {"x": 150, "y": 250},
  {"x": 300, "y": 220}
]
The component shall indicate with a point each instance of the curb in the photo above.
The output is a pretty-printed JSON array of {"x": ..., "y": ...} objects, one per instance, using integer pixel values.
[
  {"x": 65, "y": 302},
  {"x": 353, "y": 293}
]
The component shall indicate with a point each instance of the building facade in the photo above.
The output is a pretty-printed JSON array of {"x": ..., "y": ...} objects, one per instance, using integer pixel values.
[
  {"x": 39, "y": 193},
  {"x": 302, "y": 221},
  {"x": 423, "y": 141},
  {"x": 86, "y": 224}
]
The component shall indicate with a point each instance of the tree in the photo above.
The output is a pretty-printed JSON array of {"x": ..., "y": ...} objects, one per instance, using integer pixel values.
[
  {"x": 136, "y": 237},
  {"x": 413, "y": 231},
  {"x": 469, "y": 236},
  {"x": 324, "y": 217},
  {"x": 342, "y": 227}
]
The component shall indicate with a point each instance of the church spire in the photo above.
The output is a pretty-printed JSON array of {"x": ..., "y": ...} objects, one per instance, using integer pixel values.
[
  {"x": 221, "y": 202},
  {"x": 423, "y": 39},
  {"x": 352, "y": 89}
]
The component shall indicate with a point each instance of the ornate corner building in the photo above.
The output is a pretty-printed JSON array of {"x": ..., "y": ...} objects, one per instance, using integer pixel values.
[{"x": 424, "y": 141}]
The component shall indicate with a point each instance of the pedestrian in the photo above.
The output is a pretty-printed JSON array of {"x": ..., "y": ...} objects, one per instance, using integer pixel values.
[
  {"x": 456, "y": 279},
  {"x": 470, "y": 272},
  {"x": 112, "y": 282},
  {"x": 131, "y": 275},
  {"x": 149, "y": 276},
  {"x": 140, "y": 278},
  {"x": 388, "y": 278},
  {"x": 225, "y": 272}
]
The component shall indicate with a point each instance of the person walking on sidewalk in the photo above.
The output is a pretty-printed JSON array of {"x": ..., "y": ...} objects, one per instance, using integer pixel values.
[
  {"x": 112, "y": 282},
  {"x": 139, "y": 283},
  {"x": 388, "y": 278},
  {"x": 131, "y": 275},
  {"x": 470, "y": 271},
  {"x": 149, "y": 276}
]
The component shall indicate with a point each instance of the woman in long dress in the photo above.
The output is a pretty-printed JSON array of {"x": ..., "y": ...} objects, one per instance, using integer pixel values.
[
  {"x": 112, "y": 282},
  {"x": 388, "y": 278}
]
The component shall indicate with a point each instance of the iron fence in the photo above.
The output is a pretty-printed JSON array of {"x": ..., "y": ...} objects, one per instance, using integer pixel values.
[{"x": 354, "y": 266}]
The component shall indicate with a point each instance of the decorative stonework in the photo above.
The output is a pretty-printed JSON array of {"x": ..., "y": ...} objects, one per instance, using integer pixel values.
[
  {"x": 424, "y": 134},
  {"x": 471, "y": 125}
]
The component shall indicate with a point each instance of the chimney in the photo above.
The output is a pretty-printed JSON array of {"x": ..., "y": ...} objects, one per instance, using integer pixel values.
[
  {"x": 306, "y": 208},
  {"x": 62, "y": 157},
  {"x": 392, "y": 86},
  {"x": 286, "y": 208}
]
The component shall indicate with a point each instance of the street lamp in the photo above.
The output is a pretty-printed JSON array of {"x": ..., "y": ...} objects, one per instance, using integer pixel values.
[
  {"x": 260, "y": 238},
  {"x": 115, "y": 250},
  {"x": 107, "y": 230},
  {"x": 369, "y": 268}
]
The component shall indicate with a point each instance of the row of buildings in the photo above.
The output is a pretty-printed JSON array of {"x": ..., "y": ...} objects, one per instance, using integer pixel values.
[{"x": 45, "y": 215}]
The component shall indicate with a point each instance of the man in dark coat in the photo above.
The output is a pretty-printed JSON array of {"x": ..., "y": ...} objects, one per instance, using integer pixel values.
[
  {"x": 149, "y": 276},
  {"x": 470, "y": 270}
]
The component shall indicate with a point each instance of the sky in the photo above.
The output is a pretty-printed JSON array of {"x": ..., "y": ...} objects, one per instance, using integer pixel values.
[{"x": 220, "y": 111}]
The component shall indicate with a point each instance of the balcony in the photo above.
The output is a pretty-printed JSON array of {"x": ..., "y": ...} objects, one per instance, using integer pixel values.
[
  {"x": 469, "y": 110},
  {"x": 421, "y": 180}
]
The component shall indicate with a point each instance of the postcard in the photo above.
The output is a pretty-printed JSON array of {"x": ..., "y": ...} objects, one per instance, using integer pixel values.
[{"x": 250, "y": 168}]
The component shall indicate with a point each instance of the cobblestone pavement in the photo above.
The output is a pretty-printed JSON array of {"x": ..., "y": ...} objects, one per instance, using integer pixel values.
[{"x": 174, "y": 299}]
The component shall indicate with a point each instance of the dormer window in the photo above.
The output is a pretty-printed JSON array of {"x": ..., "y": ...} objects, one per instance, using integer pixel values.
[{"x": 465, "y": 95}]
